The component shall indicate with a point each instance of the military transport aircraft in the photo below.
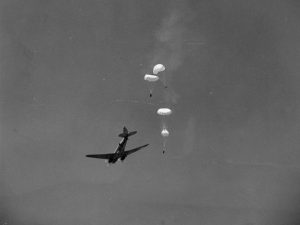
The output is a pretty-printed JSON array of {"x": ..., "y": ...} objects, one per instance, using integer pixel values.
[{"x": 120, "y": 152}]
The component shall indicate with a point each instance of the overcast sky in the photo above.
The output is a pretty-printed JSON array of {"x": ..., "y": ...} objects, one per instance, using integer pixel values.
[{"x": 72, "y": 77}]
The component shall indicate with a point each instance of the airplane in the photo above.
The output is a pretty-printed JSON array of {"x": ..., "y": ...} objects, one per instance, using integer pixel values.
[{"x": 120, "y": 152}]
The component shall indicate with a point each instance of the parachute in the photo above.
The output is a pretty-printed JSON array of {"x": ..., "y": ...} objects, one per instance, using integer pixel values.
[
  {"x": 158, "y": 68},
  {"x": 164, "y": 111},
  {"x": 165, "y": 132},
  {"x": 151, "y": 78}
]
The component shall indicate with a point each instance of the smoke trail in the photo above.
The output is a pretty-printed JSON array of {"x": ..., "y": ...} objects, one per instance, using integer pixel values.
[{"x": 169, "y": 48}]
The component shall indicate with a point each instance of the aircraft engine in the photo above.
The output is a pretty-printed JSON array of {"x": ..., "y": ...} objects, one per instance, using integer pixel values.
[{"x": 123, "y": 157}]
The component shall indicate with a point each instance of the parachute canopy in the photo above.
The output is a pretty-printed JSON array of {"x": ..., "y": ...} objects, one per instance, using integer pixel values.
[
  {"x": 151, "y": 78},
  {"x": 158, "y": 68},
  {"x": 164, "y": 111},
  {"x": 165, "y": 132}
]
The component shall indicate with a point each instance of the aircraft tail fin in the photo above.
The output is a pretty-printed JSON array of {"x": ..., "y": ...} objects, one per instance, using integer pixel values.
[{"x": 126, "y": 134}]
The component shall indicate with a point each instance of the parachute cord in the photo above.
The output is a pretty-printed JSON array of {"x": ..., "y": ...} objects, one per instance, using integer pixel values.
[
  {"x": 163, "y": 124},
  {"x": 164, "y": 145}
]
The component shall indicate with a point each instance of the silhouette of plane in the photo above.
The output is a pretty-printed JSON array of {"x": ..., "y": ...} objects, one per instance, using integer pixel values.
[{"x": 120, "y": 152}]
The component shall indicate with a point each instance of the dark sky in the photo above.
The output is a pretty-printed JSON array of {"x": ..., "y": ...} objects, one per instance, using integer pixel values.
[{"x": 72, "y": 77}]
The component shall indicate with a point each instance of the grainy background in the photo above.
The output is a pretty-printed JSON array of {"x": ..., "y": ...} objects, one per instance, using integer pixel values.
[{"x": 72, "y": 77}]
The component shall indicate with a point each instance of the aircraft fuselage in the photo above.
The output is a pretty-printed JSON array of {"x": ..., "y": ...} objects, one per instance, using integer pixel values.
[{"x": 120, "y": 151}]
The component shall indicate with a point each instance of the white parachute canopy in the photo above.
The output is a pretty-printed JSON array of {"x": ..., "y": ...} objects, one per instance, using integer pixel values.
[
  {"x": 151, "y": 78},
  {"x": 164, "y": 111},
  {"x": 165, "y": 132},
  {"x": 158, "y": 68}
]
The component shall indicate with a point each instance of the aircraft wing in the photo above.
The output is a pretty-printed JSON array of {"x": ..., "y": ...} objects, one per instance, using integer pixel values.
[
  {"x": 101, "y": 156},
  {"x": 128, "y": 152}
]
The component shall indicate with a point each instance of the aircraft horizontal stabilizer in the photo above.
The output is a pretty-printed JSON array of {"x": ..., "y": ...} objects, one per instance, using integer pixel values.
[{"x": 126, "y": 134}]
